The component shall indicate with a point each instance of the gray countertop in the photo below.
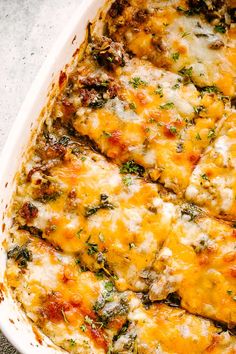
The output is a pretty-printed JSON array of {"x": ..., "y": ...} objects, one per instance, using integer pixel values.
[{"x": 28, "y": 28}]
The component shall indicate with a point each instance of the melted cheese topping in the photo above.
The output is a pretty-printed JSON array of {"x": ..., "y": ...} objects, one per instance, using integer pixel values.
[
  {"x": 122, "y": 237},
  {"x": 58, "y": 298},
  {"x": 157, "y": 121},
  {"x": 213, "y": 182},
  {"x": 159, "y": 325},
  {"x": 169, "y": 37},
  {"x": 200, "y": 266}
]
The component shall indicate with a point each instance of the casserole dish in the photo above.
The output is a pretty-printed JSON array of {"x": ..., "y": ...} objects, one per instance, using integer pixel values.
[
  {"x": 108, "y": 251},
  {"x": 13, "y": 323}
]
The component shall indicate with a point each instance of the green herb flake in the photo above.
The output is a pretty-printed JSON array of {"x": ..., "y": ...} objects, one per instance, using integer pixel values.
[
  {"x": 188, "y": 12},
  {"x": 106, "y": 134},
  {"x": 175, "y": 56},
  {"x": 185, "y": 34},
  {"x": 72, "y": 342},
  {"x": 159, "y": 91},
  {"x": 191, "y": 210},
  {"x": 109, "y": 286},
  {"x": 229, "y": 292},
  {"x": 173, "y": 130},
  {"x": 79, "y": 233},
  {"x": 176, "y": 87},
  {"x": 127, "y": 180},
  {"x": 198, "y": 137},
  {"x": 104, "y": 204},
  {"x": 92, "y": 248},
  {"x": 133, "y": 106},
  {"x": 132, "y": 167},
  {"x": 199, "y": 109},
  {"x": 168, "y": 105},
  {"x": 83, "y": 327},
  {"x": 210, "y": 89},
  {"x": 136, "y": 82},
  {"x": 220, "y": 28},
  {"x": 211, "y": 134},
  {"x": 204, "y": 176},
  {"x": 186, "y": 72}
]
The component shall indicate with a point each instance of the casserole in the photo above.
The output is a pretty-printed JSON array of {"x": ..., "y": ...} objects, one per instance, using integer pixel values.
[{"x": 102, "y": 247}]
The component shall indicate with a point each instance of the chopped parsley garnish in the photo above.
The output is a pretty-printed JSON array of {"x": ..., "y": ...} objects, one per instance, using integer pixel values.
[
  {"x": 185, "y": 34},
  {"x": 210, "y": 89},
  {"x": 199, "y": 109},
  {"x": 211, "y": 134},
  {"x": 168, "y": 105},
  {"x": 198, "y": 137},
  {"x": 127, "y": 180},
  {"x": 72, "y": 342},
  {"x": 92, "y": 247},
  {"x": 79, "y": 232},
  {"x": 201, "y": 246},
  {"x": 122, "y": 331},
  {"x": 104, "y": 204},
  {"x": 137, "y": 81},
  {"x": 173, "y": 129},
  {"x": 106, "y": 134},
  {"x": 188, "y": 12},
  {"x": 132, "y": 167},
  {"x": 50, "y": 197},
  {"x": 204, "y": 176},
  {"x": 109, "y": 286},
  {"x": 106, "y": 296},
  {"x": 159, "y": 91},
  {"x": 220, "y": 28},
  {"x": 186, "y": 73},
  {"x": 83, "y": 327},
  {"x": 132, "y": 106},
  {"x": 175, "y": 56},
  {"x": 176, "y": 86},
  {"x": 191, "y": 210}
]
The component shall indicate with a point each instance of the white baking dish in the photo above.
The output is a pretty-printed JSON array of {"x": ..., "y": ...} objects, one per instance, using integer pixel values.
[{"x": 13, "y": 323}]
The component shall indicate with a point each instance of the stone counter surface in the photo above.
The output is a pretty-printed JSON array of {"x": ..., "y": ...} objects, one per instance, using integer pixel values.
[{"x": 28, "y": 29}]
